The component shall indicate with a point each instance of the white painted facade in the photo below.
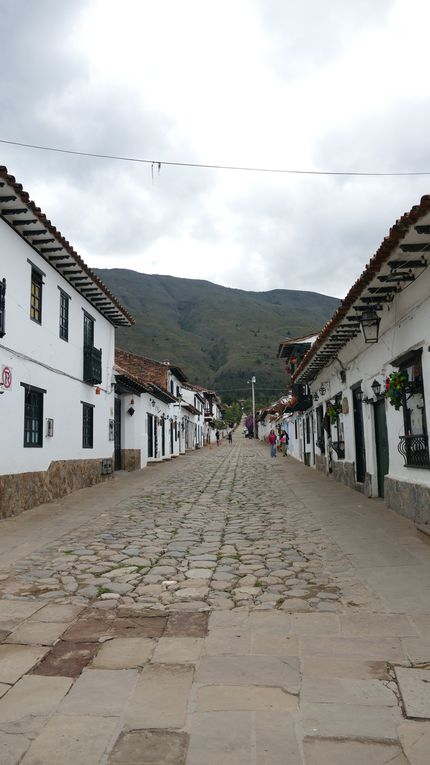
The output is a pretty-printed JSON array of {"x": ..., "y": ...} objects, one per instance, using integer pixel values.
[
  {"x": 38, "y": 357},
  {"x": 369, "y": 444}
]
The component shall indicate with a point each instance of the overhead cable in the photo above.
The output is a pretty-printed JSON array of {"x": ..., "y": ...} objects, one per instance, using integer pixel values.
[{"x": 156, "y": 163}]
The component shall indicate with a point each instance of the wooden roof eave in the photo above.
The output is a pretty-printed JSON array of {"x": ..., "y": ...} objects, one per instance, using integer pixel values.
[
  {"x": 28, "y": 215},
  {"x": 378, "y": 284}
]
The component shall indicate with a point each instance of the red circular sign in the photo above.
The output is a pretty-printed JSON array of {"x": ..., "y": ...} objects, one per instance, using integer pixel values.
[{"x": 6, "y": 377}]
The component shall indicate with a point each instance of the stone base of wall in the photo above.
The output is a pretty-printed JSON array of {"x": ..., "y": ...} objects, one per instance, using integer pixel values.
[
  {"x": 344, "y": 473},
  {"x": 320, "y": 463},
  {"x": 21, "y": 491},
  {"x": 130, "y": 459},
  {"x": 409, "y": 499}
]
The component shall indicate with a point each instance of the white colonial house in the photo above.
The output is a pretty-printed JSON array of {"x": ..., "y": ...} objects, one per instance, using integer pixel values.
[
  {"x": 361, "y": 388},
  {"x": 193, "y": 405},
  {"x": 57, "y": 340},
  {"x": 161, "y": 415}
]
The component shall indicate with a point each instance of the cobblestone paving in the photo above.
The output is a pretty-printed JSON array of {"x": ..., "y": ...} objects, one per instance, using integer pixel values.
[
  {"x": 190, "y": 624},
  {"x": 225, "y": 533}
]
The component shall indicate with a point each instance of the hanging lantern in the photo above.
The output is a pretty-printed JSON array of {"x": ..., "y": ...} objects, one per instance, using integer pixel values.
[{"x": 370, "y": 326}]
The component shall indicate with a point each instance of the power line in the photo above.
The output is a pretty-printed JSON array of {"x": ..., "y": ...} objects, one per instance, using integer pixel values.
[{"x": 155, "y": 163}]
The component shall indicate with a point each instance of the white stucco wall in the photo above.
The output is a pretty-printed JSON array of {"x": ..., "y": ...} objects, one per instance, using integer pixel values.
[
  {"x": 404, "y": 327},
  {"x": 39, "y": 357}
]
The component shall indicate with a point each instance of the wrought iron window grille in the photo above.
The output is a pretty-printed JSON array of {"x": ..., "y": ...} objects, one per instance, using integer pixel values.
[{"x": 415, "y": 450}]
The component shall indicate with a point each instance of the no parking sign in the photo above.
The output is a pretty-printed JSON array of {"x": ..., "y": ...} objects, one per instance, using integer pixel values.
[{"x": 6, "y": 377}]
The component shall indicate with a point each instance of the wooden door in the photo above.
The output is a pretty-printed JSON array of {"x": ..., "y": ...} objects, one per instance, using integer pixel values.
[{"x": 381, "y": 441}]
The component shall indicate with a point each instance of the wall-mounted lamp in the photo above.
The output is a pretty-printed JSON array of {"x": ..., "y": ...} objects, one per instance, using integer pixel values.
[
  {"x": 316, "y": 396},
  {"x": 370, "y": 321},
  {"x": 376, "y": 387},
  {"x": 342, "y": 375},
  {"x": 130, "y": 411},
  {"x": 358, "y": 393},
  {"x": 322, "y": 389}
]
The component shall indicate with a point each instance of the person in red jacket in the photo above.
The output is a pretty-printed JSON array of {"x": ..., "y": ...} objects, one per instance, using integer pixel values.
[{"x": 272, "y": 443}]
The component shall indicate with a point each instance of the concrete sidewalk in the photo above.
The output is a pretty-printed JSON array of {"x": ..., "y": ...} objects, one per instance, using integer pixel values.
[{"x": 251, "y": 612}]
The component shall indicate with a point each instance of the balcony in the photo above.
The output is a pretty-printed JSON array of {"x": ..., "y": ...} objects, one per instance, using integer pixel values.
[
  {"x": 92, "y": 365},
  {"x": 415, "y": 451}
]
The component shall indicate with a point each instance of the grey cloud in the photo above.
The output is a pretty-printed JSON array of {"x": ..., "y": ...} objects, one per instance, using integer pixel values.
[{"x": 307, "y": 34}]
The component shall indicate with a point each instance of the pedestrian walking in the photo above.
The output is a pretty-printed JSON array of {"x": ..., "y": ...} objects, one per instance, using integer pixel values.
[
  {"x": 285, "y": 440},
  {"x": 230, "y": 437},
  {"x": 217, "y": 437},
  {"x": 272, "y": 443}
]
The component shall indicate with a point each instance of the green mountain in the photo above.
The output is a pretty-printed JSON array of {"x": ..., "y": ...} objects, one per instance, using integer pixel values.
[{"x": 217, "y": 335}]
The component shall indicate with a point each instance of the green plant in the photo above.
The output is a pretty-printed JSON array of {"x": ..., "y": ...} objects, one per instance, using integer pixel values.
[
  {"x": 102, "y": 590},
  {"x": 395, "y": 386},
  {"x": 333, "y": 412}
]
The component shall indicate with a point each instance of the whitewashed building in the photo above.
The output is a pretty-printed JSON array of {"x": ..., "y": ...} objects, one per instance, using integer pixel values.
[
  {"x": 57, "y": 339},
  {"x": 162, "y": 415},
  {"x": 378, "y": 338}
]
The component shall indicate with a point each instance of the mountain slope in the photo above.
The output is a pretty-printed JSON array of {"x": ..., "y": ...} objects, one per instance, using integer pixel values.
[{"x": 220, "y": 336}]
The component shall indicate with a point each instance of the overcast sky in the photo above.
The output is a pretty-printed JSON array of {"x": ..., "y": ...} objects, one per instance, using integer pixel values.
[{"x": 340, "y": 85}]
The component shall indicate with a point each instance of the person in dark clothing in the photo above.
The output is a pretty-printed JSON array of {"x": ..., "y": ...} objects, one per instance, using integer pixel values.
[
  {"x": 217, "y": 437},
  {"x": 230, "y": 437}
]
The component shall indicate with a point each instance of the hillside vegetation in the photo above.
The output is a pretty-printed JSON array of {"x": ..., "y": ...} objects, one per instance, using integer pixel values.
[{"x": 219, "y": 336}]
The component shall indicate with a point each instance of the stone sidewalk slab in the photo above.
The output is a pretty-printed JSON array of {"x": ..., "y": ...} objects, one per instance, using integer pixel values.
[
  {"x": 245, "y": 698},
  {"x": 56, "y": 612},
  {"x": 382, "y": 649},
  {"x": 315, "y": 624},
  {"x": 150, "y": 747},
  {"x": 100, "y": 692},
  {"x": 414, "y": 686},
  {"x": 320, "y": 752},
  {"x": 186, "y": 625},
  {"x": 415, "y": 739},
  {"x": 72, "y": 740},
  {"x": 422, "y": 623},
  {"x": 269, "y": 643},
  {"x": 160, "y": 699},
  {"x": 180, "y": 650},
  {"x": 31, "y": 698},
  {"x": 228, "y": 640},
  {"x": 350, "y": 721},
  {"x": 250, "y": 670},
  {"x": 16, "y": 660},
  {"x": 37, "y": 633},
  {"x": 320, "y": 666},
  {"x": 417, "y": 650},
  {"x": 348, "y": 691},
  {"x": 124, "y": 653},
  {"x": 12, "y": 748},
  {"x": 275, "y": 739},
  {"x": 66, "y": 659},
  {"x": 376, "y": 625},
  {"x": 220, "y": 738}
]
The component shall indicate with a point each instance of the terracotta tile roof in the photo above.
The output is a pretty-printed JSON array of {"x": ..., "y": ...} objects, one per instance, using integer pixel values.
[
  {"x": 387, "y": 249},
  {"x": 21, "y": 219}
]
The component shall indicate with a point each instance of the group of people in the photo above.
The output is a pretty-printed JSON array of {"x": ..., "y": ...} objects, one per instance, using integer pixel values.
[
  {"x": 229, "y": 437},
  {"x": 276, "y": 440}
]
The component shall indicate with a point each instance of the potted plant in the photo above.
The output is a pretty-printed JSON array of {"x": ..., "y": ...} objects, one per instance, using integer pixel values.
[{"x": 395, "y": 387}]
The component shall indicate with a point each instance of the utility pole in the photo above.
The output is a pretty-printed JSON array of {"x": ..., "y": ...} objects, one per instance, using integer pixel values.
[{"x": 253, "y": 381}]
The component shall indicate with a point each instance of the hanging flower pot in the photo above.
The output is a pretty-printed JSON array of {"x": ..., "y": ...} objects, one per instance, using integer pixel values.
[{"x": 395, "y": 387}]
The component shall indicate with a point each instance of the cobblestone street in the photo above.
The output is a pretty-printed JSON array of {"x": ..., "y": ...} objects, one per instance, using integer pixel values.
[{"x": 222, "y": 608}]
